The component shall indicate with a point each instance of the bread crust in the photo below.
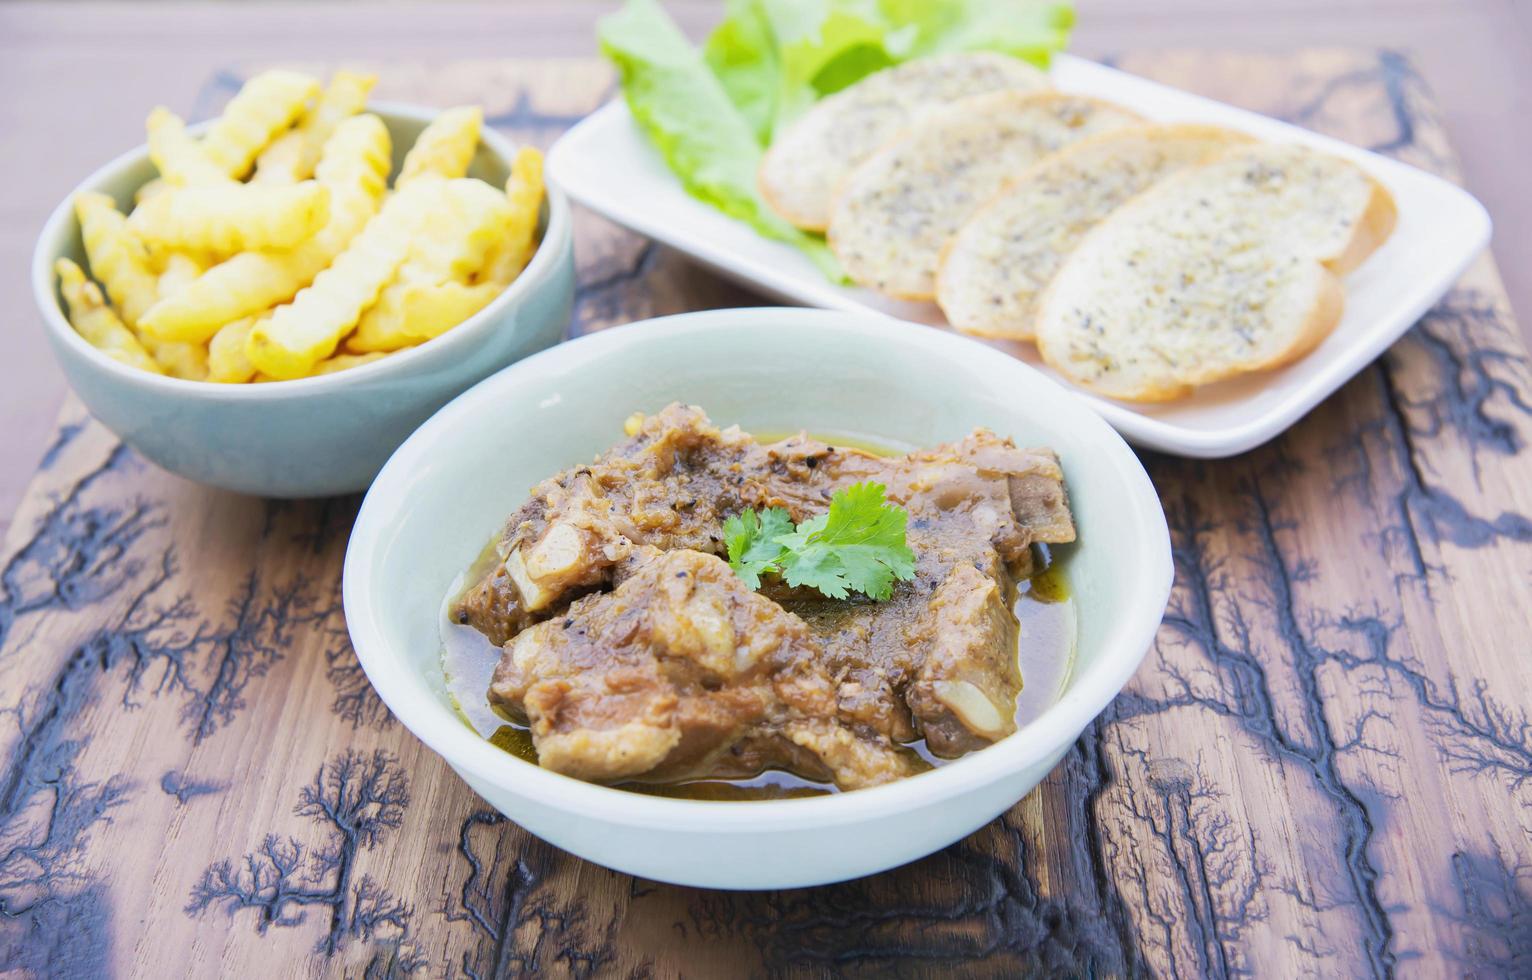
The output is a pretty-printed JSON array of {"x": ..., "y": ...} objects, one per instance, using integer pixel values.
[
  {"x": 1021, "y": 76},
  {"x": 1326, "y": 299},
  {"x": 1325, "y": 310},
  {"x": 1372, "y": 230},
  {"x": 798, "y": 219},
  {"x": 985, "y": 104},
  {"x": 1220, "y": 139}
]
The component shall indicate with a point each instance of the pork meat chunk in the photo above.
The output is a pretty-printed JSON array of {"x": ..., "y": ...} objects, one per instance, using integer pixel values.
[
  {"x": 938, "y": 659},
  {"x": 663, "y": 488},
  {"x": 964, "y": 694},
  {"x": 668, "y": 674}
]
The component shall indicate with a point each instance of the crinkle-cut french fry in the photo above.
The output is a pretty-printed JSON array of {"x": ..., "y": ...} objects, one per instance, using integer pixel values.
[
  {"x": 151, "y": 190},
  {"x": 358, "y": 156},
  {"x": 355, "y": 169},
  {"x": 432, "y": 311},
  {"x": 381, "y": 327},
  {"x": 468, "y": 218},
  {"x": 445, "y": 147},
  {"x": 341, "y": 362},
  {"x": 266, "y": 105},
  {"x": 178, "y": 358},
  {"x": 306, "y": 331},
  {"x": 92, "y": 319},
  {"x": 471, "y": 219},
  {"x": 233, "y": 217},
  {"x": 293, "y": 155},
  {"x": 177, "y": 155},
  {"x": 118, "y": 259},
  {"x": 164, "y": 257},
  {"x": 280, "y": 162},
  {"x": 524, "y": 190},
  {"x": 178, "y": 269},
  {"x": 226, "y": 360},
  {"x": 408, "y": 313}
]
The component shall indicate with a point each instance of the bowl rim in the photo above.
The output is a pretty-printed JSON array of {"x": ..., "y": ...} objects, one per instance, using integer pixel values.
[
  {"x": 1047, "y": 736},
  {"x": 539, "y": 272}
]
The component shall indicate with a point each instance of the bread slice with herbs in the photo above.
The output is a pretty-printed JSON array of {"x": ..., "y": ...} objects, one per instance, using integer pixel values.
[
  {"x": 895, "y": 213},
  {"x": 810, "y": 157},
  {"x": 998, "y": 264},
  {"x": 1219, "y": 270}
]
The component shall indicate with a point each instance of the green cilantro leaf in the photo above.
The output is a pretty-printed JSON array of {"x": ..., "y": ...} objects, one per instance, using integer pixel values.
[
  {"x": 751, "y": 540},
  {"x": 859, "y": 546}
]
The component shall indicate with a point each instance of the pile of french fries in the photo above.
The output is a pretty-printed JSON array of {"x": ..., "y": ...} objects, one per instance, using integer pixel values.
[{"x": 272, "y": 247}]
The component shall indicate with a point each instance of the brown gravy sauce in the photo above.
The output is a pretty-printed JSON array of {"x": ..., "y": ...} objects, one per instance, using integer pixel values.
[{"x": 1044, "y": 607}]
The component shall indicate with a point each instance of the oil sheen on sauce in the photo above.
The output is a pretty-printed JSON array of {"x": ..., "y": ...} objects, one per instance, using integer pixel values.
[{"x": 1044, "y": 607}]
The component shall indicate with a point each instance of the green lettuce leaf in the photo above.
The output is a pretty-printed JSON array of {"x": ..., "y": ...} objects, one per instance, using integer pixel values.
[
  {"x": 689, "y": 117},
  {"x": 711, "y": 113},
  {"x": 776, "y": 58},
  {"x": 1028, "y": 29},
  {"x": 821, "y": 47},
  {"x": 742, "y": 53}
]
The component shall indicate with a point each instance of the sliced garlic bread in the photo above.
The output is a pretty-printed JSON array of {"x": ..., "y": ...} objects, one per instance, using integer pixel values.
[
  {"x": 809, "y": 158},
  {"x": 894, "y": 213},
  {"x": 996, "y": 266},
  {"x": 1215, "y": 271}
]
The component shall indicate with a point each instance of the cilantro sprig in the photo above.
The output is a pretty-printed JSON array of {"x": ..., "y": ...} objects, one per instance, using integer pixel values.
[{"x": 858, "y": 546}]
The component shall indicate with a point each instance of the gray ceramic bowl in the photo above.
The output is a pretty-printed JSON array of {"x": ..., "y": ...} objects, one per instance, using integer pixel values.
[{"x": 315, "y": 436}]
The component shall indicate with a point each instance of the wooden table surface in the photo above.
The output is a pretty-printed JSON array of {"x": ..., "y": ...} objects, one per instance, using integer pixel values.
[
  {"x": 1323, "y": 768},
  {"x": 79, "y": 77}
]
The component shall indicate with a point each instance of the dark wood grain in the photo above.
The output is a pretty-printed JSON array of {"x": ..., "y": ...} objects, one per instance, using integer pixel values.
[{"x": 1324, "y": 767}]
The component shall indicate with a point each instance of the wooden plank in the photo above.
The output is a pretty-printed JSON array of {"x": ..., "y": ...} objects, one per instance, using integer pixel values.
[{"x": 1325, "y": 766}]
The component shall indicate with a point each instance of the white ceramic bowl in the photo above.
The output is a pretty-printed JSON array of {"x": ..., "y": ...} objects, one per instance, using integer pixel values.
[
  {"x": 315, "y": 436},
  {"x": 453, "y": 483}
]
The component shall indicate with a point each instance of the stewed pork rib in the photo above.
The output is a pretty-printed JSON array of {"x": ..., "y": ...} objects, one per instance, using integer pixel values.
[
  {"x": 665, "y": 675},
  {"x": 580, "y": 592}
]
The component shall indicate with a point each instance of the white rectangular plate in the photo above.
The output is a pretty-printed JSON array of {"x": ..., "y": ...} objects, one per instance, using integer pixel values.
[{"x": 606, "y": 164}]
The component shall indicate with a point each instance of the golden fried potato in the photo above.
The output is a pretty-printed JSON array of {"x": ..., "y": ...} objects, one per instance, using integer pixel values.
[
  {"x": 117, "y": 257},
  {"x": 264, "y": 107},
  {"x": 445, "y": 147},
  {"x": 293, "y": 155},
  {"x": 409, "y": 313},
  {"x": 226, "y": 360},
  {"x": 177, "y": 269},
  {"x": 306, "y": 331},
  {"x": 94, "y": 320},
  {"x": 357, "y": 157},
  {"x": 152, "y": 189},
  {"x": 215, "y": 278},
  {"x": 178, "y": 358},
  {"x": 468, "y": 218},
  {"x": 354, "y": 168},
  {"x": 381, "y": 327},
  {"x": 341, "y": 362},
  {"x": 176, "y": 155},
  {"x": 229, "y": 218},
  {"x": 524, "y": 190}
]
